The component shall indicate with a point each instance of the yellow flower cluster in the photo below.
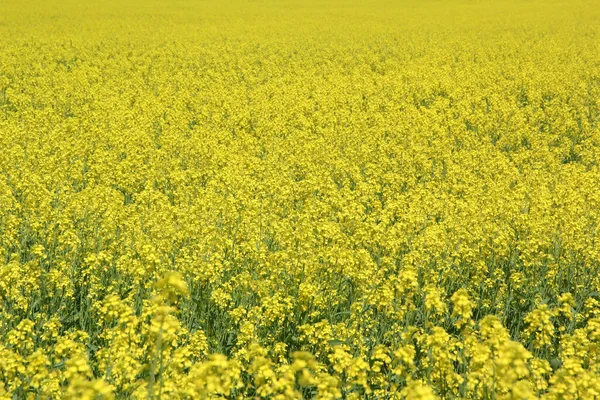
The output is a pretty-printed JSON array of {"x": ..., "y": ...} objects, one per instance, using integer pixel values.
[{"x": 299, "y": 199}]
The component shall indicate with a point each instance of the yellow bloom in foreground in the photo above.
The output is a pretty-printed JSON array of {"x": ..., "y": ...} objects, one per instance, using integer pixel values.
[{"x": 418, "y": 390}]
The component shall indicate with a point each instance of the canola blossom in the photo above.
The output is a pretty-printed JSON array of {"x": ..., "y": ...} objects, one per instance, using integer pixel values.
[{"x": 299, "y": 199}]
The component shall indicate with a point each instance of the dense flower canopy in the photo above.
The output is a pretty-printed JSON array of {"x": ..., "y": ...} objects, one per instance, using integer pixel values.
[{"x": 299, "y": 199}]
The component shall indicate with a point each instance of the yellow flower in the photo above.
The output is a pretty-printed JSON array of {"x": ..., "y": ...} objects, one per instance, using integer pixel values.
[
  {"x": 462, "y": 307},
  {"x": 540, "y": 326}
]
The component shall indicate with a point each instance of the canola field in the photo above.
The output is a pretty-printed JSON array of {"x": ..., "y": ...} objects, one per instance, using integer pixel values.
[{"x": 299, "y": 199}]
